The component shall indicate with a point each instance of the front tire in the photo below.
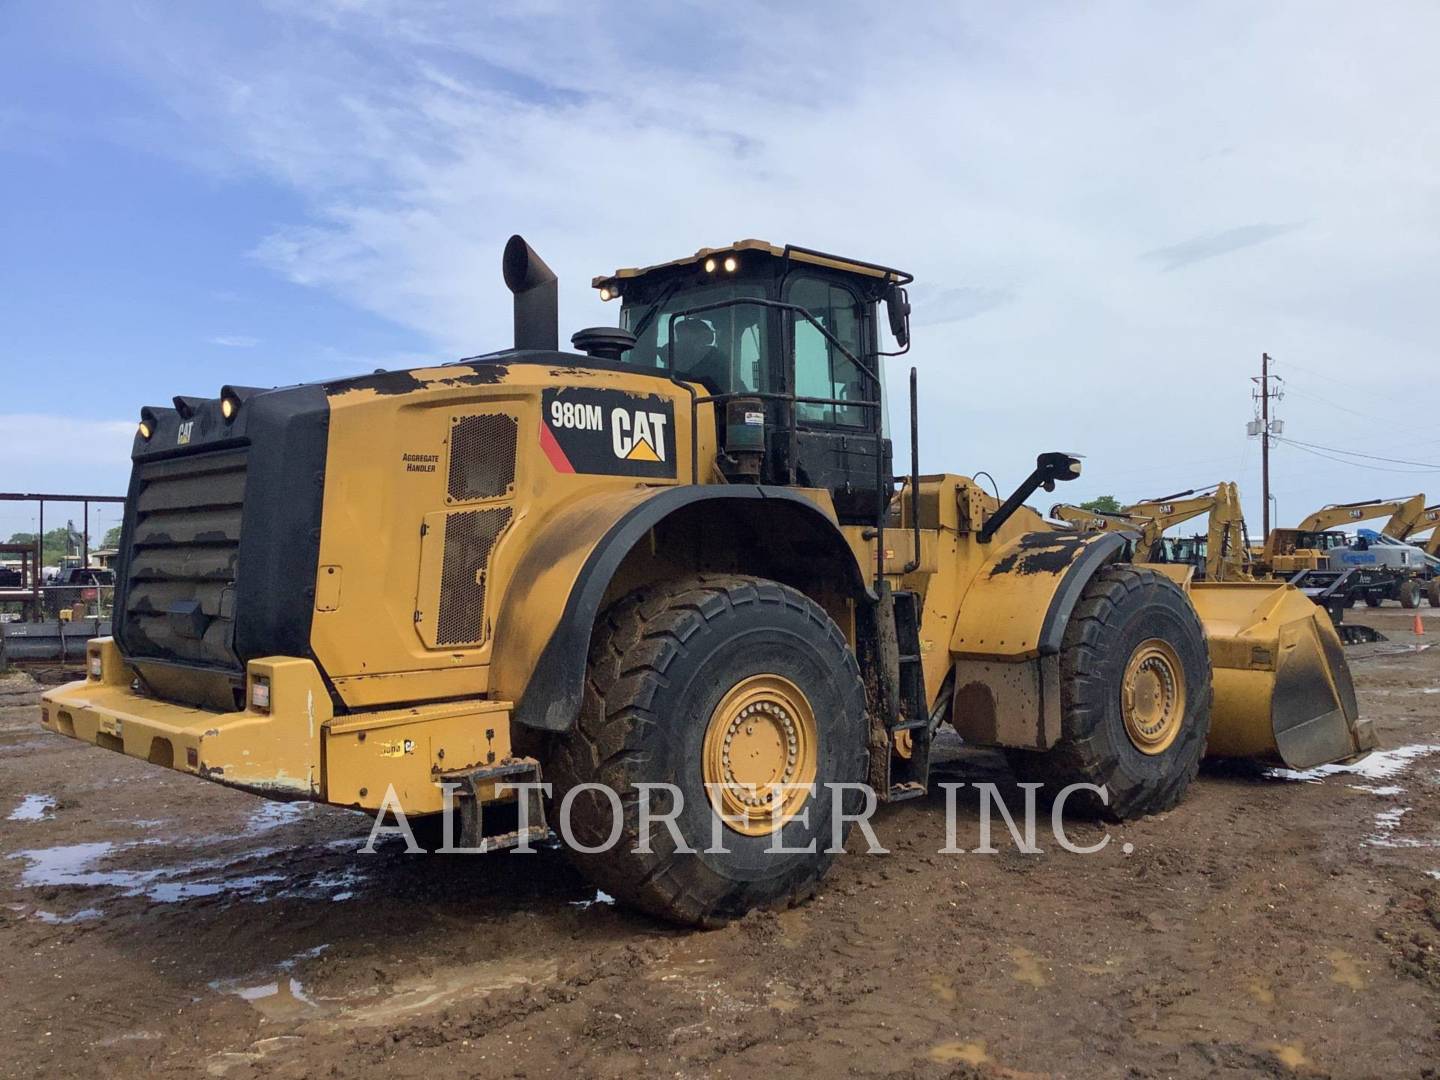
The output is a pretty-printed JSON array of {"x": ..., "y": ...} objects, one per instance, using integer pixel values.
[
  {"x": 735, "y": 679},
  {"x": 1411, "y": 594},
  {"x": 1135, "y": 697}
]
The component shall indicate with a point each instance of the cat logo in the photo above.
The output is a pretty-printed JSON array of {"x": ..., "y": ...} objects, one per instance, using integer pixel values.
[
  {"x": 182, "y": 437},
  {"x": 638, "y": 436},
  {"x": 1357, "y": 515},
  {"x": 607, "y": 432},
  {"x": 1167, "y": 508}
]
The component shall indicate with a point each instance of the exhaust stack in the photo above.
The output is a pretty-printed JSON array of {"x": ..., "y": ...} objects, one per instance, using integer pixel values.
[{"x": 537, "y": 297}]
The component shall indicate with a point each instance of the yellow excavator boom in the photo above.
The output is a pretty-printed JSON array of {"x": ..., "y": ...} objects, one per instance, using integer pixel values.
[
  {"x": 1406, "y": 515},
  {"x": 1429, "y": 517},
  {"x": 1226, "y": 556}
]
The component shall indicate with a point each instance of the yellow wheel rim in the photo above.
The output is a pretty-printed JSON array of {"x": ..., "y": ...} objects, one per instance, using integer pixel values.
[
  {"x": 1152, "y": 696},
  {"x": 762, "y": 734}
]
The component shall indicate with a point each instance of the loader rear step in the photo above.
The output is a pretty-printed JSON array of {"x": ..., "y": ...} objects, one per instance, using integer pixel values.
[{"x": 488, "y": 823}]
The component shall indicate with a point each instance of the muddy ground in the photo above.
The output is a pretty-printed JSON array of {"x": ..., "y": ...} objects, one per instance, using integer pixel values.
[{"x": 153, "y": 924}]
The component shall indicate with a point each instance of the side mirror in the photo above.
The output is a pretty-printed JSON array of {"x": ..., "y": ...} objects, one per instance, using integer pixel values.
[
  {"x": 1056, "y": 467},
  {"x": 897, "y": 307}
]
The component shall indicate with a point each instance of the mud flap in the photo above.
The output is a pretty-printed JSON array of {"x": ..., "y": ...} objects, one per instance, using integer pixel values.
[{"x": 1283, "y": 690}]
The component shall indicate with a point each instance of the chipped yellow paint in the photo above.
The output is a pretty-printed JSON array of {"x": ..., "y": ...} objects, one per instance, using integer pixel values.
[
  {"x": 1346, "y": 970},
  {"x": 1027, "y": 968},
  {"x": 1291, "y": 1055},
  {"x": 959, "y": 1053}
]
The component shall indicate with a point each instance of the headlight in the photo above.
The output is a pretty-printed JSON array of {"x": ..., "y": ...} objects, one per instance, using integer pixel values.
[
  {"x": 260, "y": 693},
  {"x": 149, "y": 423},
  {"x": 97, "y": 667}
]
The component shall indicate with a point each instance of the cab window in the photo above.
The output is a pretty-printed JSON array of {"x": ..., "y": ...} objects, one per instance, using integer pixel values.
[
  {"x": 822, "y": 370},
  {"x": 722, "y": 349}
]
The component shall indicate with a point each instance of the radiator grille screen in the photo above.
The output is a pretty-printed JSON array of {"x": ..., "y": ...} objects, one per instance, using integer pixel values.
[
  {"x": 482, "y": 456},
  {"x": 182, "y": 563},
  {"x": 470, "y": 536}
]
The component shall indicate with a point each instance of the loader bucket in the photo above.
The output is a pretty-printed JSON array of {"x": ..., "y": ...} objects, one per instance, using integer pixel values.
[{"x": 1283, "y": 691}]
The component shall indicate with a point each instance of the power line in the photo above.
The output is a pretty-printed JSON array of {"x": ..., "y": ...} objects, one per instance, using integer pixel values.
[
  {"x": 1353, "y": 464},
  {"x": 1361, "y": 414},
  {"x": 1357, "y": 453}
]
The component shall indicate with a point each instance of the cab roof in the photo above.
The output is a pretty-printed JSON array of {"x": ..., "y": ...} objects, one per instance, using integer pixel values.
[{"x": 789, "y": 251}]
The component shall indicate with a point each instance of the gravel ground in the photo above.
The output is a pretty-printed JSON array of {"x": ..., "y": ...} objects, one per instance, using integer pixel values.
[{"x": 152, "y": 924}]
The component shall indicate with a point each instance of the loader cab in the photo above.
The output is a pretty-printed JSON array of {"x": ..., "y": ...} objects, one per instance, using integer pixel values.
[{"x": 789, "y": 335}]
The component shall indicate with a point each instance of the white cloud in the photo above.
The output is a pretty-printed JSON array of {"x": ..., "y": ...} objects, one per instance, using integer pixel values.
[
  {"x": 234, "y": 341},
  {"x": 1114, "y": 209}
]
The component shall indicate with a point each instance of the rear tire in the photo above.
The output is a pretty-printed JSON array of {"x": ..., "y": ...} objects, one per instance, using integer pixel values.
[
  {"x": 1432, "y": 592},
  {"x": 1371, "y": 600},
  {"x": 1135, "y": 696},
  {"x": 1411, "y": 594},
  {"x": 666, "y": 665}
]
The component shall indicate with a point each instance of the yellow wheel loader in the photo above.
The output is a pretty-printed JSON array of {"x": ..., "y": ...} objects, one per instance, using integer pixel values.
[
  {"x": 668, "y": 572},
  {"x": 1221, "y": 554}
]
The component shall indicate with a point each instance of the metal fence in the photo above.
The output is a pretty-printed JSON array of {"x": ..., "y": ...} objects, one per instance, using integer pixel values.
[{"x": 70, "y": 615}]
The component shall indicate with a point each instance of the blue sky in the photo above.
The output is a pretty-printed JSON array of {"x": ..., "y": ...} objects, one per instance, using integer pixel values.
[{"x": 1112, "y": 209}]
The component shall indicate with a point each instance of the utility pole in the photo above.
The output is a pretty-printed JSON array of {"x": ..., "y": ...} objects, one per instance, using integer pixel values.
[{"x": 1267, "y": 387}]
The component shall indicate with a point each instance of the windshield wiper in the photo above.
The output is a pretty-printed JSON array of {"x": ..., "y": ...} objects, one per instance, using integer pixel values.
[{"x": 654, "y": 309}]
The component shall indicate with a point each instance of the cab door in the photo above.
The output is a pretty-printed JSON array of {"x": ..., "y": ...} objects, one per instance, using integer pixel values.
[{"x": 840, "y": 432}]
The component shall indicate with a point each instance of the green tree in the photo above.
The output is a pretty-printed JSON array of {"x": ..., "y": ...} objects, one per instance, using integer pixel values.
[
  {"x": 1105, "y": 504},
  {"x": 60, "y": 541},
  {"x": 112, "y": 537}
]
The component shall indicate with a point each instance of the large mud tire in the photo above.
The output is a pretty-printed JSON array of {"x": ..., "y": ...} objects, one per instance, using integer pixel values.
[
  {"x": 1127, "y": 617},
  {"x": 664, "y": 662},
  {"x": 1432, "y": 592},
  {"x": 1411, "y": 594}
]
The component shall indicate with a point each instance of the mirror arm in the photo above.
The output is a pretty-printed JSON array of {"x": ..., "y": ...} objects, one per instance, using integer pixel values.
[{"x": 1049, "y": 468}]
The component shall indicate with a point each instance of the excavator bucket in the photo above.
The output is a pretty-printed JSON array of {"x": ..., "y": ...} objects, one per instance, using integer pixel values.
[{"x": 1283, "y": 691}]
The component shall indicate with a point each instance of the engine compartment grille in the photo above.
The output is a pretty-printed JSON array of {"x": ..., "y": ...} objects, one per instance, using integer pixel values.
[
  {"x": 469, "y": 537},
  {"x": 482, "y": 456}
]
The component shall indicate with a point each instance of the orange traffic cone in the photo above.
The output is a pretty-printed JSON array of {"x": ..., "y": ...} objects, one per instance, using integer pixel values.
[{"x": 1419, "y": 626}]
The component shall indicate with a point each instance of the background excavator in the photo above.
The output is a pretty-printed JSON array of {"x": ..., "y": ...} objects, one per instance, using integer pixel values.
[
  {"x": 1220, "y": 554},
  {"x": 674, "y": 557},
  {"x": 1305, "y": 547},
  {"x": 1430, "y": 544},
  {"x": 1337, "y": 570}
]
